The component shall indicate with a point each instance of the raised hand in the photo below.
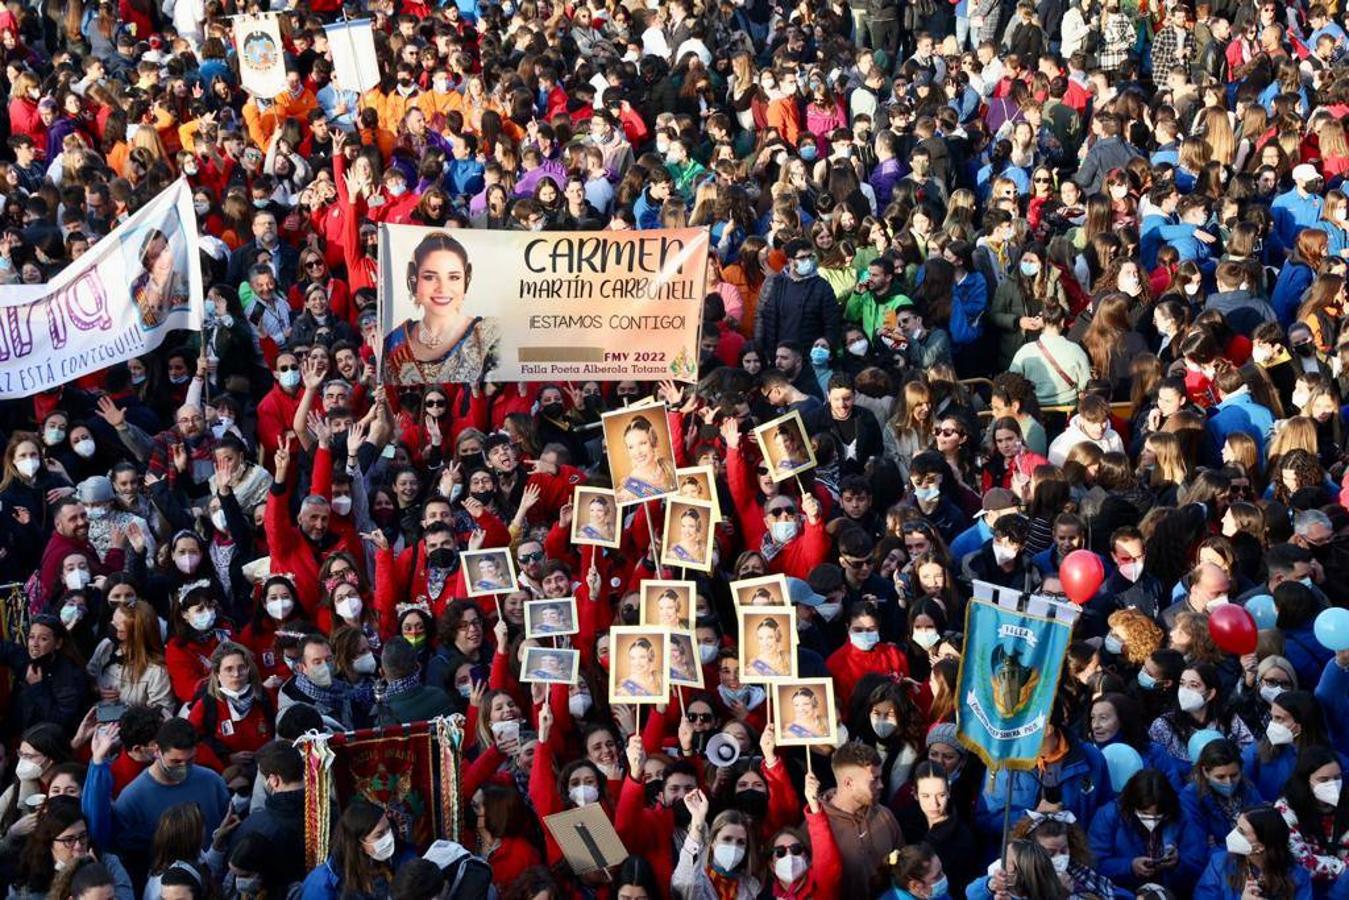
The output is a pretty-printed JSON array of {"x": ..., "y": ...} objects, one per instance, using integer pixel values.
[
  {"x": 377, "y": 539},
  {"x": 111, "y": 413},
  {"x": 356, "y": 436},
  {"x": 810, "y": 505},
  {"x": 319, "y": 428},
  {"x": 636, "y": 756},
  {"x": 530, "y": 497},
  {"x": 476, "y": 539},
  {"x": 812, "y": 791},
  {"x": 730, "y": 432},
  {"x": 696, "y": 801},
  {"x": 180, "y": 457},
  {"x": 545, "y": 722},
  {"x": 282, "y": 460}
]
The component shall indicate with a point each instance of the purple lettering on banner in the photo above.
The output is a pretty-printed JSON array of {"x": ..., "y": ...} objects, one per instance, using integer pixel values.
[
  {"x": 16, "y": 335},
  {"x": 86, "y": 302}
]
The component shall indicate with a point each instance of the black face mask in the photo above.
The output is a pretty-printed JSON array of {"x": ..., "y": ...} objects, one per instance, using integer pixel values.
[
  {"x": 653, "y": 790},
  {"x": 471, "y": 461},
  {"x": 1306, "y": 349},
  {"x": 483, "y": 497},
  {"x": 553, "y": 410},
  {"x": 441, "y": 558},
  {"x": 752, "y": 803},
  {"x": 593, "y": 402},
  {"x": 682, "y": 816}
]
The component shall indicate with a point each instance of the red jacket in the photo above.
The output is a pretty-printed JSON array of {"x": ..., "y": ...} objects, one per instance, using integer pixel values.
[
  {"x": 294, "y": 553},
  {"x": 276, "y": 414},
  {"x": 58, "y": 548},
  {"x": 189, "y": 662},
  {"x": 246, "y": 735},
  {"x": 344, "y": 526},
  {"x": 511, "y": 857},
  {"x": 24, "y": 119},
  {"x": 848, "y": 664}
]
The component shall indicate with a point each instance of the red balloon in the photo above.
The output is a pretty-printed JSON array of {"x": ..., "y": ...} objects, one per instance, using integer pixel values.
[
  {"x": 1081, "y": 573},
  {"x": 1233, "y": 629}
]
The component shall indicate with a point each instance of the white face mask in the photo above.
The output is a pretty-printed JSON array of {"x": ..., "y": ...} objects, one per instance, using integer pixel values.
[
  {"x": 584, "y": 794},
  {"x": 349, "y": 607},
  {"x": 790, "y": 868},
  {"x": 365, "y": 663},
  {"x": 1192, "y": 288},
  {"x": 1328, "y": 792},
  {"x": 1261, "y": 354},
  {"x": 1004, "y": 554},
  {"x": 829, "y": 611},
  {"x": 1214, "y": 603},
  {"x": 383, "y": 848},
  {"x": 1279, "y": 734},
  {"x": 579, "y": 704},
  {"x": 1237, "y": 844},
  {"x": 727, "y": 856},
  {"x": 28, "y": 770},
  {"x": 883, "y": 727},
  {"x": 342, "y": 505},
  {"x": 323, "y": 677},
  {"x": 218, "y": 520},
  {"x": 187, "y": 563},
  {"x": 1149, "y": 822},
  {"x": 857, "y": 348},
  {"x": 53, "y": 436},
  {"x": 1269, "y": 693},
  {"x": 280, "y": 607},
  {"x": 84, "y": 448},
  {"x": 1189, "y": 699},
  {"x": 1131, "y": 571},
  {"x": 926, "y": 638},
  {"x": 76, "y": 579},
  {"x": 201, "y": 620},
  {"x": 1061, "y": 861},
  {"x": 707, "y": 653},
  {"x": 28, "y": 467}
]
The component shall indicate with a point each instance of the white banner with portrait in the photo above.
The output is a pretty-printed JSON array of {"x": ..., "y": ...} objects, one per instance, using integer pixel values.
[
  {"x": 117, "y": 301},
  {"x": 464, "y": 305},
  {"x": 262, "y": 59},
  {"x": 352, "y": 45}
]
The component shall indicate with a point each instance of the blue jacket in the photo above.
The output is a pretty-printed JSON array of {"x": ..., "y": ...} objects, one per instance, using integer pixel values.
[
  {"x": 1338, "y": 237},
  {"x": 325, "y": 884},
  {"x": 1116, "y": 843},
  {"x": 1304, "y": 651},
  {"x": 1208, "y": 818},
  {"x": 1081, "y": 776},
  {"x": 1156, "y": 231},
  {"x": 1341, "y": 889},
  {"x": 1292, "y": 212},
  {"x": 646, "y": 211},
  {"x": 1213, "y": 883},
  {"x": 129, "y": 823},
  {"x": 1268, "y": 777},
  {"x": 1238, "y": 412},
  {"x": 971, "y": 539},
  {"x": 969, "y": 300},
  {"x": 1292, "y": 283},
  {"x": 1333, "y": 692}
]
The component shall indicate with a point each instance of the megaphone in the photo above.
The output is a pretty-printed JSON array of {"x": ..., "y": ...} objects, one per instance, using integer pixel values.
[{"x": 723, "y": 750}]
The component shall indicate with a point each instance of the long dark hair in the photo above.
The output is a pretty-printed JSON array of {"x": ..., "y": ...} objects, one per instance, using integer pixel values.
[
  {"x": 352, "y": 864},
  {"x": 1297, "y": 793},
  {"x": 36, "y": 867},
  {"x": 1276, "y": 873},
  {"x": 1306, "y": 711}
]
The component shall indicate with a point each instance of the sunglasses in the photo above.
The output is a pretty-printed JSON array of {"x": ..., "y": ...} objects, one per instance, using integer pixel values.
[
  {"x": 288, "y": 368},
  {"x": 314, "y": 264},
  {"x": 947, "y": 432},
  {"x": 435, "y": 404},
  {"x": 781, "y": 512},
  {"x": 856, "y": 563},
  {"x": 699, "y": 718},
  {"x": 762, "y": 470},
  {"x": 531, "y": 557},
  {"x": 788, "y": 850}
]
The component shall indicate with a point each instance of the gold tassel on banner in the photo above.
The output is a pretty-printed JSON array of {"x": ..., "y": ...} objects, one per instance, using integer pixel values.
[
  {"x": 318, "y": 793},
  {"x": 449, "y": 731}
]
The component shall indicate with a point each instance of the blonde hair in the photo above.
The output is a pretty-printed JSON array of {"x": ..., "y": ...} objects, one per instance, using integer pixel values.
[
  {"x": 1219, "y": 136},
  {"x": 1171, "y": 463},
  {"x": 1297, "y": 433}
]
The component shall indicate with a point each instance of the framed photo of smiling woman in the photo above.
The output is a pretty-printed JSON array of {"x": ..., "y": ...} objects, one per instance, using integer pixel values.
[
  {"x": 641, "y": 454},
  {"x": 786, "y": 446},
  {"x": 438, "y": 339},
  {"x": 639, "y": 665}
]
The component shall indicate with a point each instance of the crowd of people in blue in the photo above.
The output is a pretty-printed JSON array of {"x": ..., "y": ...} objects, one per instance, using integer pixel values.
[{"x": 1038, "y": 278}]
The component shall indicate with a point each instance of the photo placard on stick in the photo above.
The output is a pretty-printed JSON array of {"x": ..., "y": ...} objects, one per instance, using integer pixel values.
[
  {"x": 489, "y": 572},
  {"x": 666, "y": 604},
  {"x": 786, "y": 446},
  {"x": 550, "y": 665},
  {"x": 804, "y": 712},
  {"x": 770, "y": 590},
  {"x": 550, "y": 618},
  {"x": 767, "y": 643},
  {"x": 641, "y": 455},
  {"x": 587, "y": 838},
  {"x": 594, "y": 517},
  {"x": 685, "y": 667},
  {"x": 639, "y": 664},
  {"x": 687, "y": 539},
  {"x": 699, "y": 483}
]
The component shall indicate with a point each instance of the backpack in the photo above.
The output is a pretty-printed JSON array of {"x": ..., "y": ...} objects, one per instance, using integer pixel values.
[{"x": 467, "y": 877}]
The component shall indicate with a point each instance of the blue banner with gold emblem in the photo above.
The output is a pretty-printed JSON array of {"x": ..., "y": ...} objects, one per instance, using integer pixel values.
[{"x": 1009, "y": 674}]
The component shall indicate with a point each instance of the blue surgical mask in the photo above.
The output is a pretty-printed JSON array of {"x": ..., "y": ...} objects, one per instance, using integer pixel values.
[
  {"x": 805, "y": 267},
  {"x": 1030, "y": 269},
  {"x": 290, "y": 379},
  {"x": 942, "y": 888},
  {"x": 1224, "y": 788},
  {"x": 1146, "y": 681},
  {"x": 819, "y": 356},
  {"x": 864, "y": 640},
  {"x": 1113, "y": 644},
  {"x": 808, "y": 152},
  {"x": 927, "y": 494},
  {"x": 783, "y": 532}
]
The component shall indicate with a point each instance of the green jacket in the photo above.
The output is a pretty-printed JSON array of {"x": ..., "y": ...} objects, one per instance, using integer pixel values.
[
  {"x": 865, "y": 310},
  {"x": 1009, "y": 305}
]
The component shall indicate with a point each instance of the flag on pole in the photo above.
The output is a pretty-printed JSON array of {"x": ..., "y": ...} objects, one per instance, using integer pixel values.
[
  {"x": 1015, "y": 645},
  {"x": 262, "y": 61},
  {"x": 352, "y": 44}
]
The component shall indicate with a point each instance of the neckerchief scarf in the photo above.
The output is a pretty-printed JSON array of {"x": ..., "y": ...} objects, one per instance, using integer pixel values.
[{"x": 398, "y": 686}]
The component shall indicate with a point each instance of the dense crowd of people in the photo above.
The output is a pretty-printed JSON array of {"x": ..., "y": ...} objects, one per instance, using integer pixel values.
[{"x": 1038, "y": 277}]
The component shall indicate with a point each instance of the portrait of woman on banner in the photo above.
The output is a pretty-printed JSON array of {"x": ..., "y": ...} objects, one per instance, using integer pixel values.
[
  {"x": 445, "y": 345},
  {"x": 159, "y": 289}
]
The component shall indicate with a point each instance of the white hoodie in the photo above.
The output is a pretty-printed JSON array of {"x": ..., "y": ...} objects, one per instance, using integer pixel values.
[{"x": 1074, "y": 435}]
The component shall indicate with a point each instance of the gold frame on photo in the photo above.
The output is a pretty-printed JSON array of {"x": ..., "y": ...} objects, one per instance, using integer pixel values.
[
  {"x": 469, "y": 559},
  {"x": 709, "y": 535},
  {"x": 762, "y": 437},
  {"x": 582, "y": 496},
  {"x": 679, "y": 637},
  {"x": 573, "y": 672},
  {"x": 708, "y": 480},
  {"x": 613, "y": 424},
  {"x": 741, "y": 587},
  {"x": 650, "y": 589},
  {"x": 531, "y": 629},
  {"x": 782, "y": 701},
  {"x": 621, "y": 637},
  {"x": 749, "y": 618}
]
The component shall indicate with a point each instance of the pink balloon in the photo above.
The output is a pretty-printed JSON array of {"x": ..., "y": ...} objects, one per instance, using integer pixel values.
[
  {"x": 1081, "y": 574},
  {"x": 1233, "y": 629}
]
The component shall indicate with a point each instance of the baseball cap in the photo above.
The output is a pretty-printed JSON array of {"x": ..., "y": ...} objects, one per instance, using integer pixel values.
[
  {"x": 999, "y": 499},
  {"x": 95, "y": 489},
  {"x": 1305, "y": 172},
  {"x": 799, "y": 591}
]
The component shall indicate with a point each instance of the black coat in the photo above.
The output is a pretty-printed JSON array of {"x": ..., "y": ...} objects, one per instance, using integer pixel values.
[
  {"x": 860, "y": 431},
  {"x": 797, "y": 310},
  {"x": 61, "y": 697}
]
